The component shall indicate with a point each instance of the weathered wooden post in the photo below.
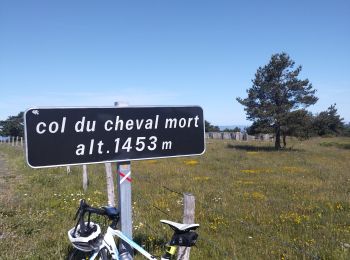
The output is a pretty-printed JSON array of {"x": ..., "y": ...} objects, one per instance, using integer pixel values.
[
  {"x": 124, "y": 199},
  {"x": 110, "y": 185},
  {"x": 85, "y": 178},
  {"x": 188, "y": 218}
]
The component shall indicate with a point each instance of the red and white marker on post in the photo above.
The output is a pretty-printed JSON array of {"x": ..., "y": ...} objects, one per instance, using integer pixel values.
[{"x": 125, "y": 177}]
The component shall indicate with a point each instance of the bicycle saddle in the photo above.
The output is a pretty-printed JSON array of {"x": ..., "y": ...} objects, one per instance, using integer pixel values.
[{"x": 179, "y": 226}]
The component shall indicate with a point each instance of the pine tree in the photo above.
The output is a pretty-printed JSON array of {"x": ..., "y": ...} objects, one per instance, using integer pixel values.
[
  {"x": 276, "y": 92},
  {"x": 329, "y": 122}
]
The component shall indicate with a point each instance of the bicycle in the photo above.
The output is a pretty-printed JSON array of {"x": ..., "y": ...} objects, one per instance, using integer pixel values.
[{"x": 89, "y": 242}]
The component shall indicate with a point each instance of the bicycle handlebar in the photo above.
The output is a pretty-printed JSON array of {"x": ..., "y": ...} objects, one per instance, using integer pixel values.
[
  {"x": 111, "y": 212},
  {"x": 84, "y": 207}
]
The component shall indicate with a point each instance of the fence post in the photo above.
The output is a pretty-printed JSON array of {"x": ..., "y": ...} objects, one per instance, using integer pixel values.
[
  {"x": 110, "y": 185},
  {"x": 85, "y": 178},
  {"x": 188, "y": 218}
]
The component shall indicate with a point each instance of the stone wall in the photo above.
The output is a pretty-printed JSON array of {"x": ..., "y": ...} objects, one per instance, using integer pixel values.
[{"x": 238, "y": 136}]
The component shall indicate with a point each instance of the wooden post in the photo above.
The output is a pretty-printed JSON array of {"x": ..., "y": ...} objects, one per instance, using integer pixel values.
[
  {"x": 188, "y": 218},
  {"x": 124, "y": 200},
  {"x": 110, "y": 185},
  {"x": 85, "y": 178}
]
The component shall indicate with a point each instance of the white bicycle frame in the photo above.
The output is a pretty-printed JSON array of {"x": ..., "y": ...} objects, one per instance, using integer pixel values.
[{"x": 109, "y": 243}]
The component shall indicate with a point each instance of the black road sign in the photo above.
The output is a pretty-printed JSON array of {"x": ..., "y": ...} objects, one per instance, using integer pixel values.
[{"x": 65, "y": 136}]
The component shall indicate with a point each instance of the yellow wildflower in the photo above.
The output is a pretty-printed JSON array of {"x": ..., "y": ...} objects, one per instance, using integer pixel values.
[
  {"x": 151, "y": 161},
  {"x": 257, "y": 171},
  {"x": 191, "y": 162},
  {"x": 258, "y": 196},
  {"x": 252, "y": 153}
]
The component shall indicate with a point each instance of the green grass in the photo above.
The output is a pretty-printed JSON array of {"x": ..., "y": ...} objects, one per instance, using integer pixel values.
[
  {"x": 336, "y": 144},
  {"x": 252, "y": 202}
]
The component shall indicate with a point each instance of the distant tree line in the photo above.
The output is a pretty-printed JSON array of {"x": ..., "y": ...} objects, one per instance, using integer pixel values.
[
  {"x": 214, "y": 128},
  {"x": 304, "y": 124},
  {"x": 210, "y": 128},
  {"x": 12, "y": 126},
  {"x": 300, "y": 123}
]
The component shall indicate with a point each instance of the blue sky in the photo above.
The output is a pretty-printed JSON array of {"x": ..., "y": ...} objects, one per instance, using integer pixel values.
[{"x": 183, "y": 52}]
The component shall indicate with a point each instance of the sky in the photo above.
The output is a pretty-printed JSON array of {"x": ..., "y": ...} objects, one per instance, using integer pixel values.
[{"x": 157, "y": 52}]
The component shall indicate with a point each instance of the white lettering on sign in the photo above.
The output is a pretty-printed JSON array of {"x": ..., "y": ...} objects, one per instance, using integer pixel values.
[
  {"x": 139, "y": 144},
  {"x": 53, "y": 128},
  {"x": 80, "y": 125},
  {"x": 108, "y": 125},
  {"x": 43, "y": 130},
  {"x": 137, "y": 124},
  {"x": 182, "y": 122}
]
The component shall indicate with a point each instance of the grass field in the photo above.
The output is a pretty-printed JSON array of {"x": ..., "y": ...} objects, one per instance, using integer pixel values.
[{"x": 251, "y": 201}]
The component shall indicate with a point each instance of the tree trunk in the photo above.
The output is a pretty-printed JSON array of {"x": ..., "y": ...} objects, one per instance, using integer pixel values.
[
  {"x": 284, "y": 141},
  {"x": 278, "y": 138}
]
